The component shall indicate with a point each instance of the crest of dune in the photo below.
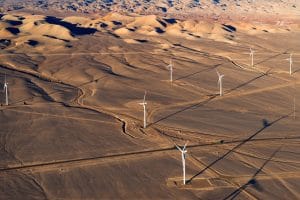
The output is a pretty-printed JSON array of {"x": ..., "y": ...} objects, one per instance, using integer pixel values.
[
  {"x": 42, "y": 28},
  {"x": 175, "y": 30},
  {"x": 122, "y": 31},
  {"x": 3, "y": 32},
  {"x": 10, "y": 17},
  {"x": 83, "y": 21},
  {"x": 117, "y": 17},
  {"x": 149, "y": 20}
]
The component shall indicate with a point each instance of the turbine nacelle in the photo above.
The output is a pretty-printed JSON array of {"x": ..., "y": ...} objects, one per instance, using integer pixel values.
[
  {"x": 170, "y": 67},
  {"x": 290, "y": 58},
  {"x": 220, "y": 76},
  {"x": 183, "y": 149},
  {"x": 5, "y": 83},
  {"x": 5, "y": 86},
  {"x": 144, "y": 103},
  {"x": 251, "y": 52}
]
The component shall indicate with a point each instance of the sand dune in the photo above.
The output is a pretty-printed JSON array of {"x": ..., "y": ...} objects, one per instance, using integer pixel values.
[{"x": 66, "y": 29}]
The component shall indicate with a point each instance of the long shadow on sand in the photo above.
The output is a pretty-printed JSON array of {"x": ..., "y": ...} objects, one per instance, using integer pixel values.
[
  {"x": 207, "y": 100},
  {"x": 266, "y": 124},
  {"x": 252, "y": 181},
  {"x": 248, "y": 82},
  {"x": 198, "y": 72},
  {"x": 202, "y": 103},
  {"x": 269, "y": 58},
  {"x": 74, "y": 29}
]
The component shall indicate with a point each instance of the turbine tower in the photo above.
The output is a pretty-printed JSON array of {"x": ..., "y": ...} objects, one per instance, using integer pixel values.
[
  {"x": 183, "y": 156},
  {"x": 170, "y": 67},
  {"x": 220, "y": 82},
  {"x": 144, "y": 103},
  {"x": 252, "y": 57},
  {"x": 5, "y": 88},
  {"x": 290, "y": 59}
]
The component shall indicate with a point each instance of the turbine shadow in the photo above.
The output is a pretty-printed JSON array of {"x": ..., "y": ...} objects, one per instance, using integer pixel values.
[
  {"x": 252, "y": 181},
  {"x": 248, "y": 82},
  {"x": 266, "y": 124},
  {"x": 269, "y": 58},
  {"x": 202, "y": 103},
  {"x": 296, "y": 71},
  {"x": 197, "y": 72}
]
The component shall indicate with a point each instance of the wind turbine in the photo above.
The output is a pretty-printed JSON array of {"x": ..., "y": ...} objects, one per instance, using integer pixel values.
[
  {"x": 5, "y": 88},
  {"x": 252, "y": 57},
  {"x": 170, "y": 67},
  {"x": 290, "y": 59},
  {"x": 144, "y": 103},
  {"x": 220, "y": 82},
  {"x": 183, "y": 156}
]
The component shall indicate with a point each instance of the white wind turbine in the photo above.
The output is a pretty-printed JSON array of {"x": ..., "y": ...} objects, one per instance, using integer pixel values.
[
  {"x": 220, "y": 82},
  {"x": 183, "y": 156},
  {"x": 252, "y": 57},
  {"x": 170, "y": 67},
  {"x": 144, "y": 103},
  {"x": 5, "y": 88},
  {"x": 290, "y": 59}
]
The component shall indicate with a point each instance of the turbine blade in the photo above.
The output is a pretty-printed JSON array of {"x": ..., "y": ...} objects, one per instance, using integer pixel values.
[
  {"x": 145, "y": 96},
  {"x": 184, "y": 147},
  {"x": 218, "y": 73},
  {"x": 178, "y": 148}
]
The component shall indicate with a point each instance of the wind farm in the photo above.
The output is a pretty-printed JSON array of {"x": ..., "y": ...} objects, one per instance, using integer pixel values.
[{"x": 164, "y": 101}]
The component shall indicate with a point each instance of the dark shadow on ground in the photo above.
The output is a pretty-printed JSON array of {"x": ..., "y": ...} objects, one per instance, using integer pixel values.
[
  {"x": 197, "y": 72},
  {"x": 141, "y": 40},
  {"x": 4, "y": 43},
  {"x": 202, "y": 103},
  {"x": 248, "y": 82},
  {"x": 266, "y": 124},
  {"x": 12, "y": 30},
  {"x": 74, "y": 29},
  {"x": 229, "y": 28},
  {"x": 14, "y": 23},
  {"x": 252, "y": 182},
  {"x": 159, "y": 30},
  {"x": 32, "y": 43},
  {"x": 170, "y": 20},
  {"x": 269, "y": 58}
]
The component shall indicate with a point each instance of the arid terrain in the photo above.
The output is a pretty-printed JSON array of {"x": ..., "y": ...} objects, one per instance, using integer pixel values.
[{"x": 73, "y": 126}]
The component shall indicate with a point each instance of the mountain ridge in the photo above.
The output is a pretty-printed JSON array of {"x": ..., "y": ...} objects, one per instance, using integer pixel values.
[{"x": 174, "y": 8}]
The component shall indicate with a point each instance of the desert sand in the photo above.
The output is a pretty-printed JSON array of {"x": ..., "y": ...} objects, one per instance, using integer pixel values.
[{"x": 73, "y": 128}]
